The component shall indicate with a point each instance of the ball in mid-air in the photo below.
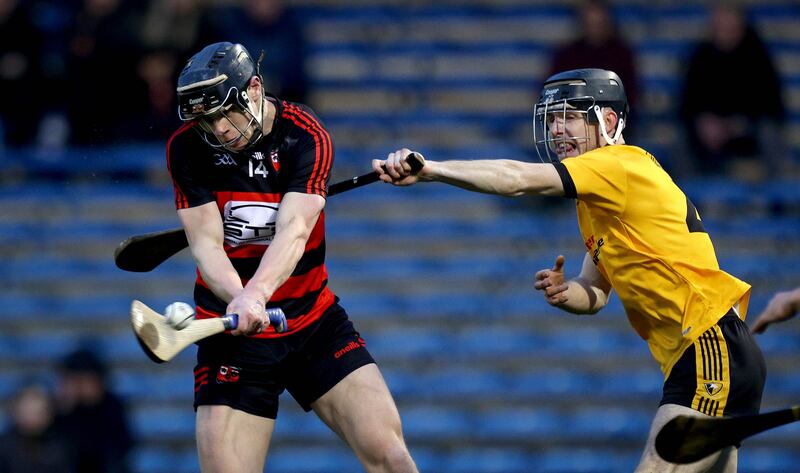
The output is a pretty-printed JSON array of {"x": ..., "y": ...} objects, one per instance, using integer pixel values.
[{"x": 179, "y": 315}]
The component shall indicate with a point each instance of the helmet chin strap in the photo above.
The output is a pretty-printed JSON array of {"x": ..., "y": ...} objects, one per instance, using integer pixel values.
[
  {"x": 620, "y": 126},
  {"x": 259, "y": 117}
]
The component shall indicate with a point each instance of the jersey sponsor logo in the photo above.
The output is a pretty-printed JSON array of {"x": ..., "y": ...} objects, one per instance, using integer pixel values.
[
  {"x": 713, "y": 388},
  {"x": 590, "y": 247},
  {"x": 249, "y": 222},
  {"x": 258, "y": 156},
  {"x": 228, "y": 374},
  {"x": 349, "y": 347},
  {"x": 596, "y": 253},
  {"x": 223, "y": 159}
]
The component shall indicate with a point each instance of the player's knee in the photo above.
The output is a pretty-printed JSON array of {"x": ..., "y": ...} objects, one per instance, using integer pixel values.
[
  {"x": 389, "y": 453},
  {"x": 394, "y": 457},
  {"x": 398, "y": 460}
]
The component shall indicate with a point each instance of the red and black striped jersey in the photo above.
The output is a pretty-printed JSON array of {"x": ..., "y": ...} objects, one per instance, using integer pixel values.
[{"x": 248, "y": 187}]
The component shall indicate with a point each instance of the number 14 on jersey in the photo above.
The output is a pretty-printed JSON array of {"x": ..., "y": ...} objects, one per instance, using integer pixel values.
[{"x": 260, "y": 169}]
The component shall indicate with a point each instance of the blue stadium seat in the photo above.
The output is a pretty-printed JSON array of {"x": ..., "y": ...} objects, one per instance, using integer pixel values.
[
  {"x": 163, "y": 460},
  {"x": 297, "y": 425},
  {"x": 768, "y": 460},
  {"x": 311, "y": 460},
  {"x": 622, "y": 423},
  {"x": 585, "y": 460},
  {"x": 593, "y": 339},
  {"x": 522, "y": 424},
  {"x": 164, "y": 423},
  {"x": 491, "y": 460},
  {"x": 429, "y": 423},
  {"x": 782, "y": 384},
  {"x": 83, "y": 306},
  {"x": 36, "y": 347},
  {"x": 413, "y": 343},
  {"x": 153, "y": 386},
  {"x": 644, "y": 383},
  {"x": 552, "y": 382}
]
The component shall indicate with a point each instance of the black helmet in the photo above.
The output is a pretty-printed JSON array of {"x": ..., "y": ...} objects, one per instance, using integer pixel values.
[
  {"x": 582, "y": 90},
  {"x": 214, "y": 79}
]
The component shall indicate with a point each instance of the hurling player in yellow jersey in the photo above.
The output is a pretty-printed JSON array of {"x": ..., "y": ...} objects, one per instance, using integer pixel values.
[{"x": 644, "y": 239}]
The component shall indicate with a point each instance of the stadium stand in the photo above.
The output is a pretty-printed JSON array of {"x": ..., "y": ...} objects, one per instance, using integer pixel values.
[{"x": 488, "y": 378}]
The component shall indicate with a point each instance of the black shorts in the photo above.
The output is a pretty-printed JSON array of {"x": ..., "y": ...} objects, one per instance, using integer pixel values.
[
  {"x": 722, "y": 373},
  {"x": 249, "y": 374}
]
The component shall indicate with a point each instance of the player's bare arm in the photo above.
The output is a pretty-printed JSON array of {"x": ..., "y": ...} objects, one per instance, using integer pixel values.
[
  {"x": 585, "y": 294},
  {"x": 782, "y": 306},
  {"x": 296, "y": 219},
  {"x": 492, "y": 176},
  {"x": 204, "y": 231}
]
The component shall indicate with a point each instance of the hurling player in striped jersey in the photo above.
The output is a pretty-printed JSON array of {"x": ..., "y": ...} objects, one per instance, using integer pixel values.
[
  {"x": 643, "y": 238},
  {"x": 250, "y": 174}
]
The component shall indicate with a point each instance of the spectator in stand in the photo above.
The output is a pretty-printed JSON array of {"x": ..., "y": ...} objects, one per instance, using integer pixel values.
[
  {"x": 272, "y": 27},
  {"x": 171, "y": 31},
  {"x": 20, "y": 74},
  {"x": 101, "y": 63},
  {"x": 92, "y": 415},
  {"x": 600, "y": 46},
  {"x": 731, "y": 104},
  {"x": 32, "y": 444}
]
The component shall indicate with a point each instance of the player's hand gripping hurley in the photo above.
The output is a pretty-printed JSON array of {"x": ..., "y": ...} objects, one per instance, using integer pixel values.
[
  {"x": 143, "y": 253},
  {"x": 161, "y": 341}
]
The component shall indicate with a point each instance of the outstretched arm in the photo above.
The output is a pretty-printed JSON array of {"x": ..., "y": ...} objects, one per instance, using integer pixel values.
[
  {"x": 492, "y": 176},
  {"x": 782, "y": 306},
  {"x": 585, "y": 294}
]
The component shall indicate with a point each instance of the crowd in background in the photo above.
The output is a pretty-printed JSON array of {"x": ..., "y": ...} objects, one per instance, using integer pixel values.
[
  {"x": 96, "y": 72},
  {"x": 77, "y": 426}
]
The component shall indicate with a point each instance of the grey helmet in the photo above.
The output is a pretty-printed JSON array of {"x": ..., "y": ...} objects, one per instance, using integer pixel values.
[
  {"x": 584, "y": 91},
  {"x": 214, "y": 80}
]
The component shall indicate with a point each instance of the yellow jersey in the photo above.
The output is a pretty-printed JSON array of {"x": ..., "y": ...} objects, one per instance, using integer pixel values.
[{"x": 647, "y": 239}]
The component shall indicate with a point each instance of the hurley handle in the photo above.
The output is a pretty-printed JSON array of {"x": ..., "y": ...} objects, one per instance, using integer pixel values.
[{"x": 277, "y": 319}]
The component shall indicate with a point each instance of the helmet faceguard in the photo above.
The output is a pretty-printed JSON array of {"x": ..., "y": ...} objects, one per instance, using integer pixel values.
[
  {"x": 579, "y": 94},
  {"x": 214, "y": 83}
]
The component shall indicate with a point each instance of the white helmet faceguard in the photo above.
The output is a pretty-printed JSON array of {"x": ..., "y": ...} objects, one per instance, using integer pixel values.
[{"x": 572, "y": 95}]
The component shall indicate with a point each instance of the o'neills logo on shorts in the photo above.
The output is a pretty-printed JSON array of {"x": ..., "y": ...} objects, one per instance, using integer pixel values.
[{"x": 349, "y": 347}]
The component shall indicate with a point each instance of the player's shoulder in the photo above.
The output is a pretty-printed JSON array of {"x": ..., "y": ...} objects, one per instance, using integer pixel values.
[
  {"x": 618, "y": 151},
  {"x": 184, "y": 137},
  {"x": 300, "y": 115},
  {"x": 184, "y": 142},
  {"x": 303, "y": 128},
  {"x": 626, "y": 155}
]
